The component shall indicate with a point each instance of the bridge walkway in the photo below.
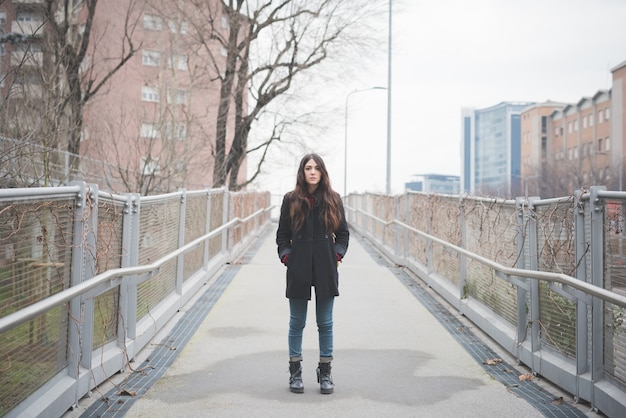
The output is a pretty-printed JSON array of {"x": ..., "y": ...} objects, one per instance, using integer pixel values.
[{"x": 398, "y": 352}]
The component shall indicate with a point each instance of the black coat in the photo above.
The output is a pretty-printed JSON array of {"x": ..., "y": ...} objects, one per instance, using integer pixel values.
[{"x": 312, "y": 252}]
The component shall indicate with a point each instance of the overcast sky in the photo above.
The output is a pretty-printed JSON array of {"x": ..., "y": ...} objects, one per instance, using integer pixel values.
[{"x": 450, "y": 54}]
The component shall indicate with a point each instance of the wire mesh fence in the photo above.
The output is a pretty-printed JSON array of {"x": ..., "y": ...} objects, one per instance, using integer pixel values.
[
  {"x": 54, "y": 239},
  {"x": 36, "y": 244},
  {"x": 546, "y": 323}
]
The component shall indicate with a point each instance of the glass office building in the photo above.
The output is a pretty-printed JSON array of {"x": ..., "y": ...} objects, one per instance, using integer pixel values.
[{"x": 491, "y": 150}]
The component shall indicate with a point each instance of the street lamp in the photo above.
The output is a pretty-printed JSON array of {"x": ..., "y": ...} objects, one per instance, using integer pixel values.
[
  {"x": 389, "y": 102},
  {"x": 345, "y": 139}
]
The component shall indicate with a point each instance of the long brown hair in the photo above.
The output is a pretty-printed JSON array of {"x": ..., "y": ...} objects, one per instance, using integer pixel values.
[{"x": 329, "y": 200}]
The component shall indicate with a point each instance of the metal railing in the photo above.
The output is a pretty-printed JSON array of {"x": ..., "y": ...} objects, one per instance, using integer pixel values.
[
  {"x": 88, "y": 278},
  {"x": 546, "y": 279}
]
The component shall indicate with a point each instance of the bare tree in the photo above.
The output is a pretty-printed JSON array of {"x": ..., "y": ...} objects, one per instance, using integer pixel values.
[
  {"x": 267, "y": 46},
  {"x": 54, "y": 79},
  {"x": 70, "y": 45}
]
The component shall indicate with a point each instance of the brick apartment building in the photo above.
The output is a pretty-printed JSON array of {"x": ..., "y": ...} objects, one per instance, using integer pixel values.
[
  {"x": 570, "y": 146},
  {"x": 154, "y": 122}
]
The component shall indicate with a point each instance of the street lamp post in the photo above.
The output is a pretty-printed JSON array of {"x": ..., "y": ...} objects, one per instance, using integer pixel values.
[
  {"x": 345, "y": 140},
  {"x": 389, "y": 102}
]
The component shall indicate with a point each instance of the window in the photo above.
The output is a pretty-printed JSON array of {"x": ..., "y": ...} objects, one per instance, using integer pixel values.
[
  {"x": 178, "y": 27},
  {"x": 84, "y": 135},
  {"x": 607, "y": 113},
  {"x": 149, "y": 130},
  {"x": 180, "y": 61},
  {"x": 569, "y": 154},
  {"x": 576, "y": 125},
  {"x": 584, "y": 121},
  {"x": 2, "y": 50},
  {"x": 176, "y": 131},
  {"x": 569, "y": 127},
  {"x": 556, "y": 131},
  {"x": 28, "y": 16},
  {"x": 151, "y": 22},
  {"x": 223, "y": 51},
  {"x": 607, "y": 144},
  {"x": 600, "y": 145},
  {"x": 151, "y": 58},
  {"x": 149, "y": 166},
  {"x": 149, "y": 94},
  {"x": 600, "y": 116},
  {"x": 181, "y": 131},
  {"x": 3, "y": 20},
  {"x": 576, "y": 153},
  {"x": 178, "y": 97},
  {"x": 225, "y": 24},
  {"x": 591, "y": 119}
]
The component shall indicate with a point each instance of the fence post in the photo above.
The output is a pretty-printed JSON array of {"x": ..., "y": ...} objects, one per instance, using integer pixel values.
[
  {"x": 127, "y": 329},
  {"x": 535, "y": 342},
  {"x": 80, "y": 340},
  {"x": 429, "y": 243},
  {"x": 597, "y": 279},
  {"x": 462, "y": 259},
  {"x": 180, "y": 260},
  {"x": 207, "y": 229},
  {"x": 405, "y": 220},
  {"x": 396, "y": 228},
  {"x": 520, "y": 245},
  {"x": 582, "y": 335},
  {"x": 225, "y": 217}
]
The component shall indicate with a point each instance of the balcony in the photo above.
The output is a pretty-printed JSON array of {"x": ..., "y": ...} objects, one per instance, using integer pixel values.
[{"x": 32, "y": 27}]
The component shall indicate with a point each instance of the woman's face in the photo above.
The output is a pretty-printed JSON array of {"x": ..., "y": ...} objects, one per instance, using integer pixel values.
[{"x": 312, "y": 174}]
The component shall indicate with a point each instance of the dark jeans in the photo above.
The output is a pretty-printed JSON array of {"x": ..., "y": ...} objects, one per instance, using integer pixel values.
[{"x": 297, "y": 321}]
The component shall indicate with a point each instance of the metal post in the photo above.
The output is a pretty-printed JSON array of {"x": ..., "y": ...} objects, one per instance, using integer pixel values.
[
  {"x": 130, "y": 258},
  {"x": 535, "y": 342},
  {"x": 582, "y": 335},
  {"x": 180, "y": 262},
  {"x": 597, "y": 277},
  {"x": 521, "y": 205},
  {"x": 389, "y": 102},
  {"x": 78, "y": 338}
]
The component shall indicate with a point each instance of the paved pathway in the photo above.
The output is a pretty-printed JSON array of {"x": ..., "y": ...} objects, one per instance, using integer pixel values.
[{"x": 393, "y": 357}]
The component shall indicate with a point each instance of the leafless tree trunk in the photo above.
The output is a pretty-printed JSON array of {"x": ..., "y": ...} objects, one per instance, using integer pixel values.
[
  {"x": 70, "y": 46},
  {"x": 50, "y": 87},
  {"x": 267, "y": 46}
]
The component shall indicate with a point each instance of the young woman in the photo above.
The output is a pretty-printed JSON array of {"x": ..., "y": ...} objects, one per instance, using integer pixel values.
[{"x": 312, "y": 239}]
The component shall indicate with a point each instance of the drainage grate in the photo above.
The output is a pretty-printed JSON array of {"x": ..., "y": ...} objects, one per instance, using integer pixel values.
[
  {"x": 502, "y": 372},
  {"x": 114, "y": 405}
]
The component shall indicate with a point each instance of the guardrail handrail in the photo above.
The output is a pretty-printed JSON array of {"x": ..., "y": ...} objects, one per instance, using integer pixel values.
[
  {"x": 12, "y": 320},
  {"x": 604, "y": 294}
]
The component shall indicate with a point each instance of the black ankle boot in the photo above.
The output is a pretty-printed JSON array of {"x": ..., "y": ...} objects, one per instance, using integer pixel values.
[
  {"x": 295, "y": 380},
  {"x": 325, "y": 379}
]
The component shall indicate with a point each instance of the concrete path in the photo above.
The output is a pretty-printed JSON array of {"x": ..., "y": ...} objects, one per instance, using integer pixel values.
[{"x": 392, "y": 357}]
